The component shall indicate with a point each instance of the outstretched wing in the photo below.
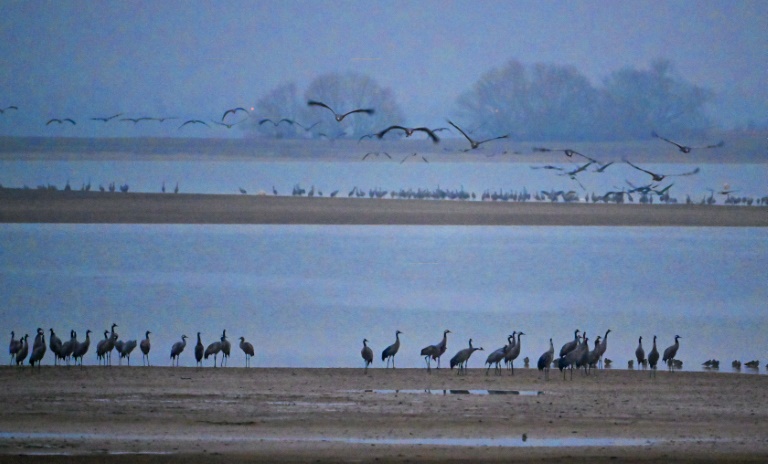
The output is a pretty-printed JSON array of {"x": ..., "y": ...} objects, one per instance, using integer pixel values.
[
  {"x": 431, "y": 134},
  {"x": 382, "y": 133},
  {"x": 653, "y": 174},
  {"x": 318, "y": 103},
  {"x": 233, "y": 111},
  {"x": 667, "y": 140},
  {"x": 462, "y": 132},
  {"x": 495, "y": 138},
  {"x": 359, "y": 110}
]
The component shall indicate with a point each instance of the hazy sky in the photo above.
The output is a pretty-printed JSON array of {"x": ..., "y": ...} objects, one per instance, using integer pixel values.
[{"x": 82, "y": 59}]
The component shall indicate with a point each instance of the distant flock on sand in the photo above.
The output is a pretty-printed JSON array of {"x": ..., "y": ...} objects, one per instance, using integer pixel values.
[
  {"x": 646, "y": 192},
  {"x": 574, "y": 354}
]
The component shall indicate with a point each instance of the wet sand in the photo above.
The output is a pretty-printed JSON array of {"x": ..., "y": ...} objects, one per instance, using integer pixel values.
[
  {"x": 35, "y": 206},
  {"x": 162, "y": 414}
]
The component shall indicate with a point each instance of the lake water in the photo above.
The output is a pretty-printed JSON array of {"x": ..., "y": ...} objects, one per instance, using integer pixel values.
[{"x": 308, "y": 295}]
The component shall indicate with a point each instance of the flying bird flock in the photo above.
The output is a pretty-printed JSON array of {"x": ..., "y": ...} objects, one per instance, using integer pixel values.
[{"x": 646, "y": 191}]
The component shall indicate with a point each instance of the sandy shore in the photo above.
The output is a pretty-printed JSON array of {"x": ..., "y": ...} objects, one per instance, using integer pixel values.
[
  {"x": 34, "y": 206},
  {"x": 164, "y": 414}
]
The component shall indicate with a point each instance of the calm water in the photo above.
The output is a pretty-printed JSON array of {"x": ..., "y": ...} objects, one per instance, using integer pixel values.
[
  {"x": 229, "y": 176},
  {"x": 308, "y": 295}
]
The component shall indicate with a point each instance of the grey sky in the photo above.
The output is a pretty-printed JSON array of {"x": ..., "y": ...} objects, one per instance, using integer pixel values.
[{"x": 196, "y": 59}]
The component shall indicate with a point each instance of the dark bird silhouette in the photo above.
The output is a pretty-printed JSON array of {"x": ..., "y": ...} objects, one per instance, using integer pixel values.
[
  {"x": 670, "y": 352},
  {"x": 660, "y": 177},
  {"x": 640, "y": 353},
  {"x": 460, "y": 359},
  {"x": 61, "y": 121},
  {"x": 340, "y": 117},
  {"x": 473, "y": 143},
  {"x": 265, "y": 120},
  {"x": 145, "y": 346},
  {"x": 545, "y": 361},
  {"x": 391, "y": 350},
  {"x": 14, "y": 346},
  {"x": 12, "y": 107},
  {"x": 570, "y": 346},
  {"x": 686, "y": 149},
  {"x": 233, "y": 111},
  {"x": 177, "y": 348},
  {"x": 603, "y": 167},
  {"x": 548, "y": 166},
  {"x": 194, "y": 121},
  {"x": 409, "y": 132},
  {"x": 227, "y": 125},
  {"x": 411, "y": 155},
  {"x": 136, "y": 120},
  {"x": 248, "y": 350},
  {"x": 376, "y": 153},
  {"x": 108, "y": 118},
  {"x": 199, "y": 350},
  {"x": 653, "y": 358},
  {"x": 21, "y": 355},
  {"x": 568, "y": 152},
  {"x": 367, "y": 354}
]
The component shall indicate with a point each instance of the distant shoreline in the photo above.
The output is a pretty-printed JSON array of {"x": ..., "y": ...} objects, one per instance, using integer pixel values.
[{"x": 40, "y": 206}]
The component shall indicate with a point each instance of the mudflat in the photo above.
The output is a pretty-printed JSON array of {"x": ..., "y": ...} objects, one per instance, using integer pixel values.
[
  {"x": 42, "y": 206},
  {"x": 166, "y": 414}
]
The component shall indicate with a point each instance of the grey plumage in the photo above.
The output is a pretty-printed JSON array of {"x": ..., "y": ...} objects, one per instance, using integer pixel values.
[
  {"x": 460, "y": 359},
  {"x": 127, "y": 349},
  {"x": 434, "y": 352},
  {"x": 226, "y": 347},
  {"x": 199, "y": 350},
  {"x": 248, "y": 350},
  {"x": 367, "y": 354},
  {"x": 670, "y": 352},
  {"x": 545, "y": 360},
  {"x": 213, "y": 349},
  {"x": 640, "y": 353},
  {"x": 55, "y": 344},
  {"x": 177, "y": 348},
  {"x": 14, "y": 346},
  {"x": 145, "y": 346},
  {"x": 81, "y": 348},
  {"x": 21, "y": 354},
  {"x": 653, "y": 358},
  {"x": 513, "y": 353},
  {"x": 570, "y": 346},
  {"x": 497, "y": 356},
  {"x": 390, "y": 351},
  {"x": 38, "y": 352}
]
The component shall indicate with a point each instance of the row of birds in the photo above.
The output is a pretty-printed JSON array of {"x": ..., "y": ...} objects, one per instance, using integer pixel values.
[
  {"x": 573, "y": 354},
  {"x": 73, "y": 350}
]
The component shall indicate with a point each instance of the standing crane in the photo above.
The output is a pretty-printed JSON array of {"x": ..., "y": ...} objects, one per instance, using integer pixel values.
[
  {"x": 653, "y": 358},
  {"x": 391, "y": 350},
  {"x": 145, "y": 346},
  {"x": 545, "y": 360},
  {"x": 248, "y": 350},
  {"x": 670, "y": 352},
  {"x": 367, "y": 354},
  {"x": 177, "y": 348},
  {"x": 640, "y": 353}
]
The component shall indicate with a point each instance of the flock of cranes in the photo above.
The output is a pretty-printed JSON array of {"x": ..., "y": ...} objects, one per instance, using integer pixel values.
[
  {"x": 574, "y": 354},
  {"x": 73, "y": 350},
  {"x": 646, "y": 191}
]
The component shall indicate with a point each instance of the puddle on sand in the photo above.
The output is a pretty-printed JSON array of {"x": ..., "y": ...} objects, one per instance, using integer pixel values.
[
  {"x": 460, "y": 392},
  {"x": 508, "y": 442},
  {"x": 503, "y": 442}
]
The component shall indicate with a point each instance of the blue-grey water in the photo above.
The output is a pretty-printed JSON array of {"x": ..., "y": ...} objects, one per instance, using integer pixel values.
[
  {"x": 228, "y": 176},
  {"x": 308, "y": 295}
]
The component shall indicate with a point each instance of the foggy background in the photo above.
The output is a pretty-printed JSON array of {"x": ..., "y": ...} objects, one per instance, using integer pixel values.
[{"x": 696, "y": 66}]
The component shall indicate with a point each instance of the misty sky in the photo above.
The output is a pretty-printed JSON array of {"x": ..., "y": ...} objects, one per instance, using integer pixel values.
[{"x": 83, "y": 59}]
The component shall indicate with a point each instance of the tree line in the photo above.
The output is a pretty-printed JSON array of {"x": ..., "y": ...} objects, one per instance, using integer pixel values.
[{"x": 529, "y": 102}]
